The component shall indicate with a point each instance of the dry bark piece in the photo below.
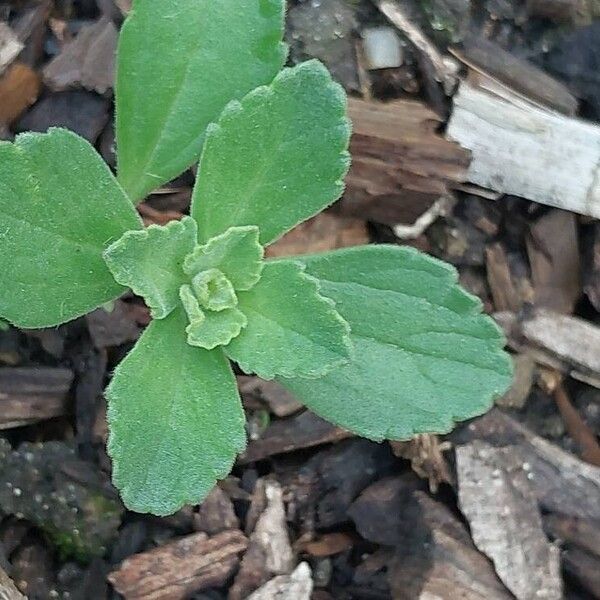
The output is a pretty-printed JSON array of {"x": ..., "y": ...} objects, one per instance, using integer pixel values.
[
  {"x": 328, "y": 544},
  {"x": 401, "y": 165},
  {"x": 303, "y": 431},
  {"x": 175, "y": 570},
  {"x": 592, "y": 268},
  {"x": 523, "y": 379},
  {"x": 87, "y": 61},
  {"x": 326, "y": 231},
  {"x": 553, "y": 249},
  {"x": 8, "y": 589},
  {"x": 516, "y": 74},
  {"x": 437, "y": 559},
  {"x": 10, "y": 46},
  {"x": 298, "y": 585},
  {"x": 85, "y": 113},
  {"x": 269, "y": 550},
  {"x": 520, "y": 149},
  {"x": 280, "y": 401},
  {"x": 497, "y": 499},
  {"x": 216, "y": 513},
  {"x": 19, "y": 89},
  {"x": 568, "y": 344},
  {"x": 561, "y": 482},
  {"x": 112, "y": 327},
  {"x": 32, "y": 394}
]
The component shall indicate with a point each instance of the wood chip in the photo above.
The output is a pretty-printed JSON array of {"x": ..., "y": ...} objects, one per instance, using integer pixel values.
[
  {"x": 507, "y": 290},
  {"x": 328, "y": 544},
  {"x": 32, "y": 394},
  {"x": 175, "y": 570},
  {"x": 216, "y": 513},
  {"x": 87, "y": 61},
  {"x": 281, "y": 402},
  {"x": 401, "y": 165},
  {"x": 296, "y": 586},
  {"x": 112, "y": 327},
  {"x": 517, "y": 75},
  {"x": 324, "y": 232},
  {"x": 8, "y": 590},
  {"x": 269, "y": 550},
  {"x": 527, "y": 151},
  {"x": 568, "y": 344},
  {"x": 436, "y": 559},
  {"x": 497, "y": 498},
  {"x": 561, "y": 482},
  {"x": 10, "y": 46},
  {"x": 303, "y": 431},
  {"x": 553, "y": 249},
  {"x": 19, "y": 89}
]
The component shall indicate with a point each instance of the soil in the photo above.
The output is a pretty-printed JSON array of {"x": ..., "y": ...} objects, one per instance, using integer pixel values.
[{"x": 506, "y": 506}]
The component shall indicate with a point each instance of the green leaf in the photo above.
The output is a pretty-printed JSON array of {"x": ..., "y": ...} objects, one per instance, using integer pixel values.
[
  {"x": 150, "y": 262},
  {"x": 424, "y": 357},
  {"x": 209, "y": 329},
  {"x": 60, "y": 207},
  {"x": 213, "y": 290},
  {"x": 176, "y": 420},
  {"x": 237, "y": 253},
  {"x": 276, "y": 158},
  {"x": 179, "y": 63},
  {"x": 292, "y": 330}
]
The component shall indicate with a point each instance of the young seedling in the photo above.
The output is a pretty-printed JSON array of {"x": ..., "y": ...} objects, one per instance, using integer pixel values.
[{"x": 380, "y": 340}]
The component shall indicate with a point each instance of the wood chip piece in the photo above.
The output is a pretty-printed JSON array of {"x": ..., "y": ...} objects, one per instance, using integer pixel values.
[
  {"x": 175, "y": 570},
  {"x": 87, "y": 61},
  {"x": 216, "y": 513},
  {"x": 269, "y": 550},
  {"x": 520, "y": 149},
  {"x": 8, "y": 589},
  {"x": 324, "y": 232},
  {"x": 10, "y": 46},
  {"x": 280, "y": 401},
  {"x": 296, "y": 586},
  {"x": 19, "y": 89},
  {"x": 561, "y": 482},
  {"x": 436, "y": 559},
  {"x": 497, "y": 498},
  {"x": 305, "y": 430},
  {"x": 32, "y": 394}
]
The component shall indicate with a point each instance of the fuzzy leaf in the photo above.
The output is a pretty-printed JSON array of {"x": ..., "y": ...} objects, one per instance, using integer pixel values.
[
  {"x": 176, "y": 420},
  {"x": 213, "y": 290},
  {"x": 177, "y": 68},
  {"x": 424, "y": 356},
  {"x": 292, "y": 330},
  {"x": 150, "y": 262},
  {"x": 60, "y": 207},
  {"x": 276, "y": 158},
  {"x": 236, "y": 253},
  {"x": 209, "y": 329}
]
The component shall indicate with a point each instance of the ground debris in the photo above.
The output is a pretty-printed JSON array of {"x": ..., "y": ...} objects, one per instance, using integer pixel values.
[
  {"x": 10, "y": 46},
  {"x": 560, "y": 481},
  {"x": 216, "y": 513},
  {"x": 177, "y": 569},
  {"x": 269, "y": 550},
  {"x": 88, "y": 61},
  {"x": 71, "y": 502},
  {"x": 497, "y": 498},
  {"x": 32, "y": 394},
  {"x": 297, "y": 585},
  {"x": 19, "y": 88}
]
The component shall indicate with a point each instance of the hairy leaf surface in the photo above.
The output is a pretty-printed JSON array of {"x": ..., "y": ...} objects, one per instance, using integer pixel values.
[
  {"x": 292, "y": 330},
  {"x": 176, "y": 420},
  {"x": 424, "y": 356},
  {"x": 150, "y": 262},
  {"x": 276, "y": 158},
  {"x": 236, "y": 253},
  {"x": 179, "y": 63},
  {"x": 60, "y": 207}
]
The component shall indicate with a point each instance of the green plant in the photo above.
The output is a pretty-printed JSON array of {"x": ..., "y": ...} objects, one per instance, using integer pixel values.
[{"x": 379, "y": 339}]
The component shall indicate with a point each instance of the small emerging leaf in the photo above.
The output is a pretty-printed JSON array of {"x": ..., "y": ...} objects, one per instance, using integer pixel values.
[
  {"x": 213, "y": 290},
  {"x": 60, "y": 207},
  {"x": 292, "y": 330},
  {"x": 425, "y": 357},
  {"x": 150, "y": 262},
  {"x": 237, "y": 253},
  {"x": 209, "y": 328},
  {"x": 176, "y": 420},
  {"x": 178, "y": 66},
  {"x": 276, "y": 158}
]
